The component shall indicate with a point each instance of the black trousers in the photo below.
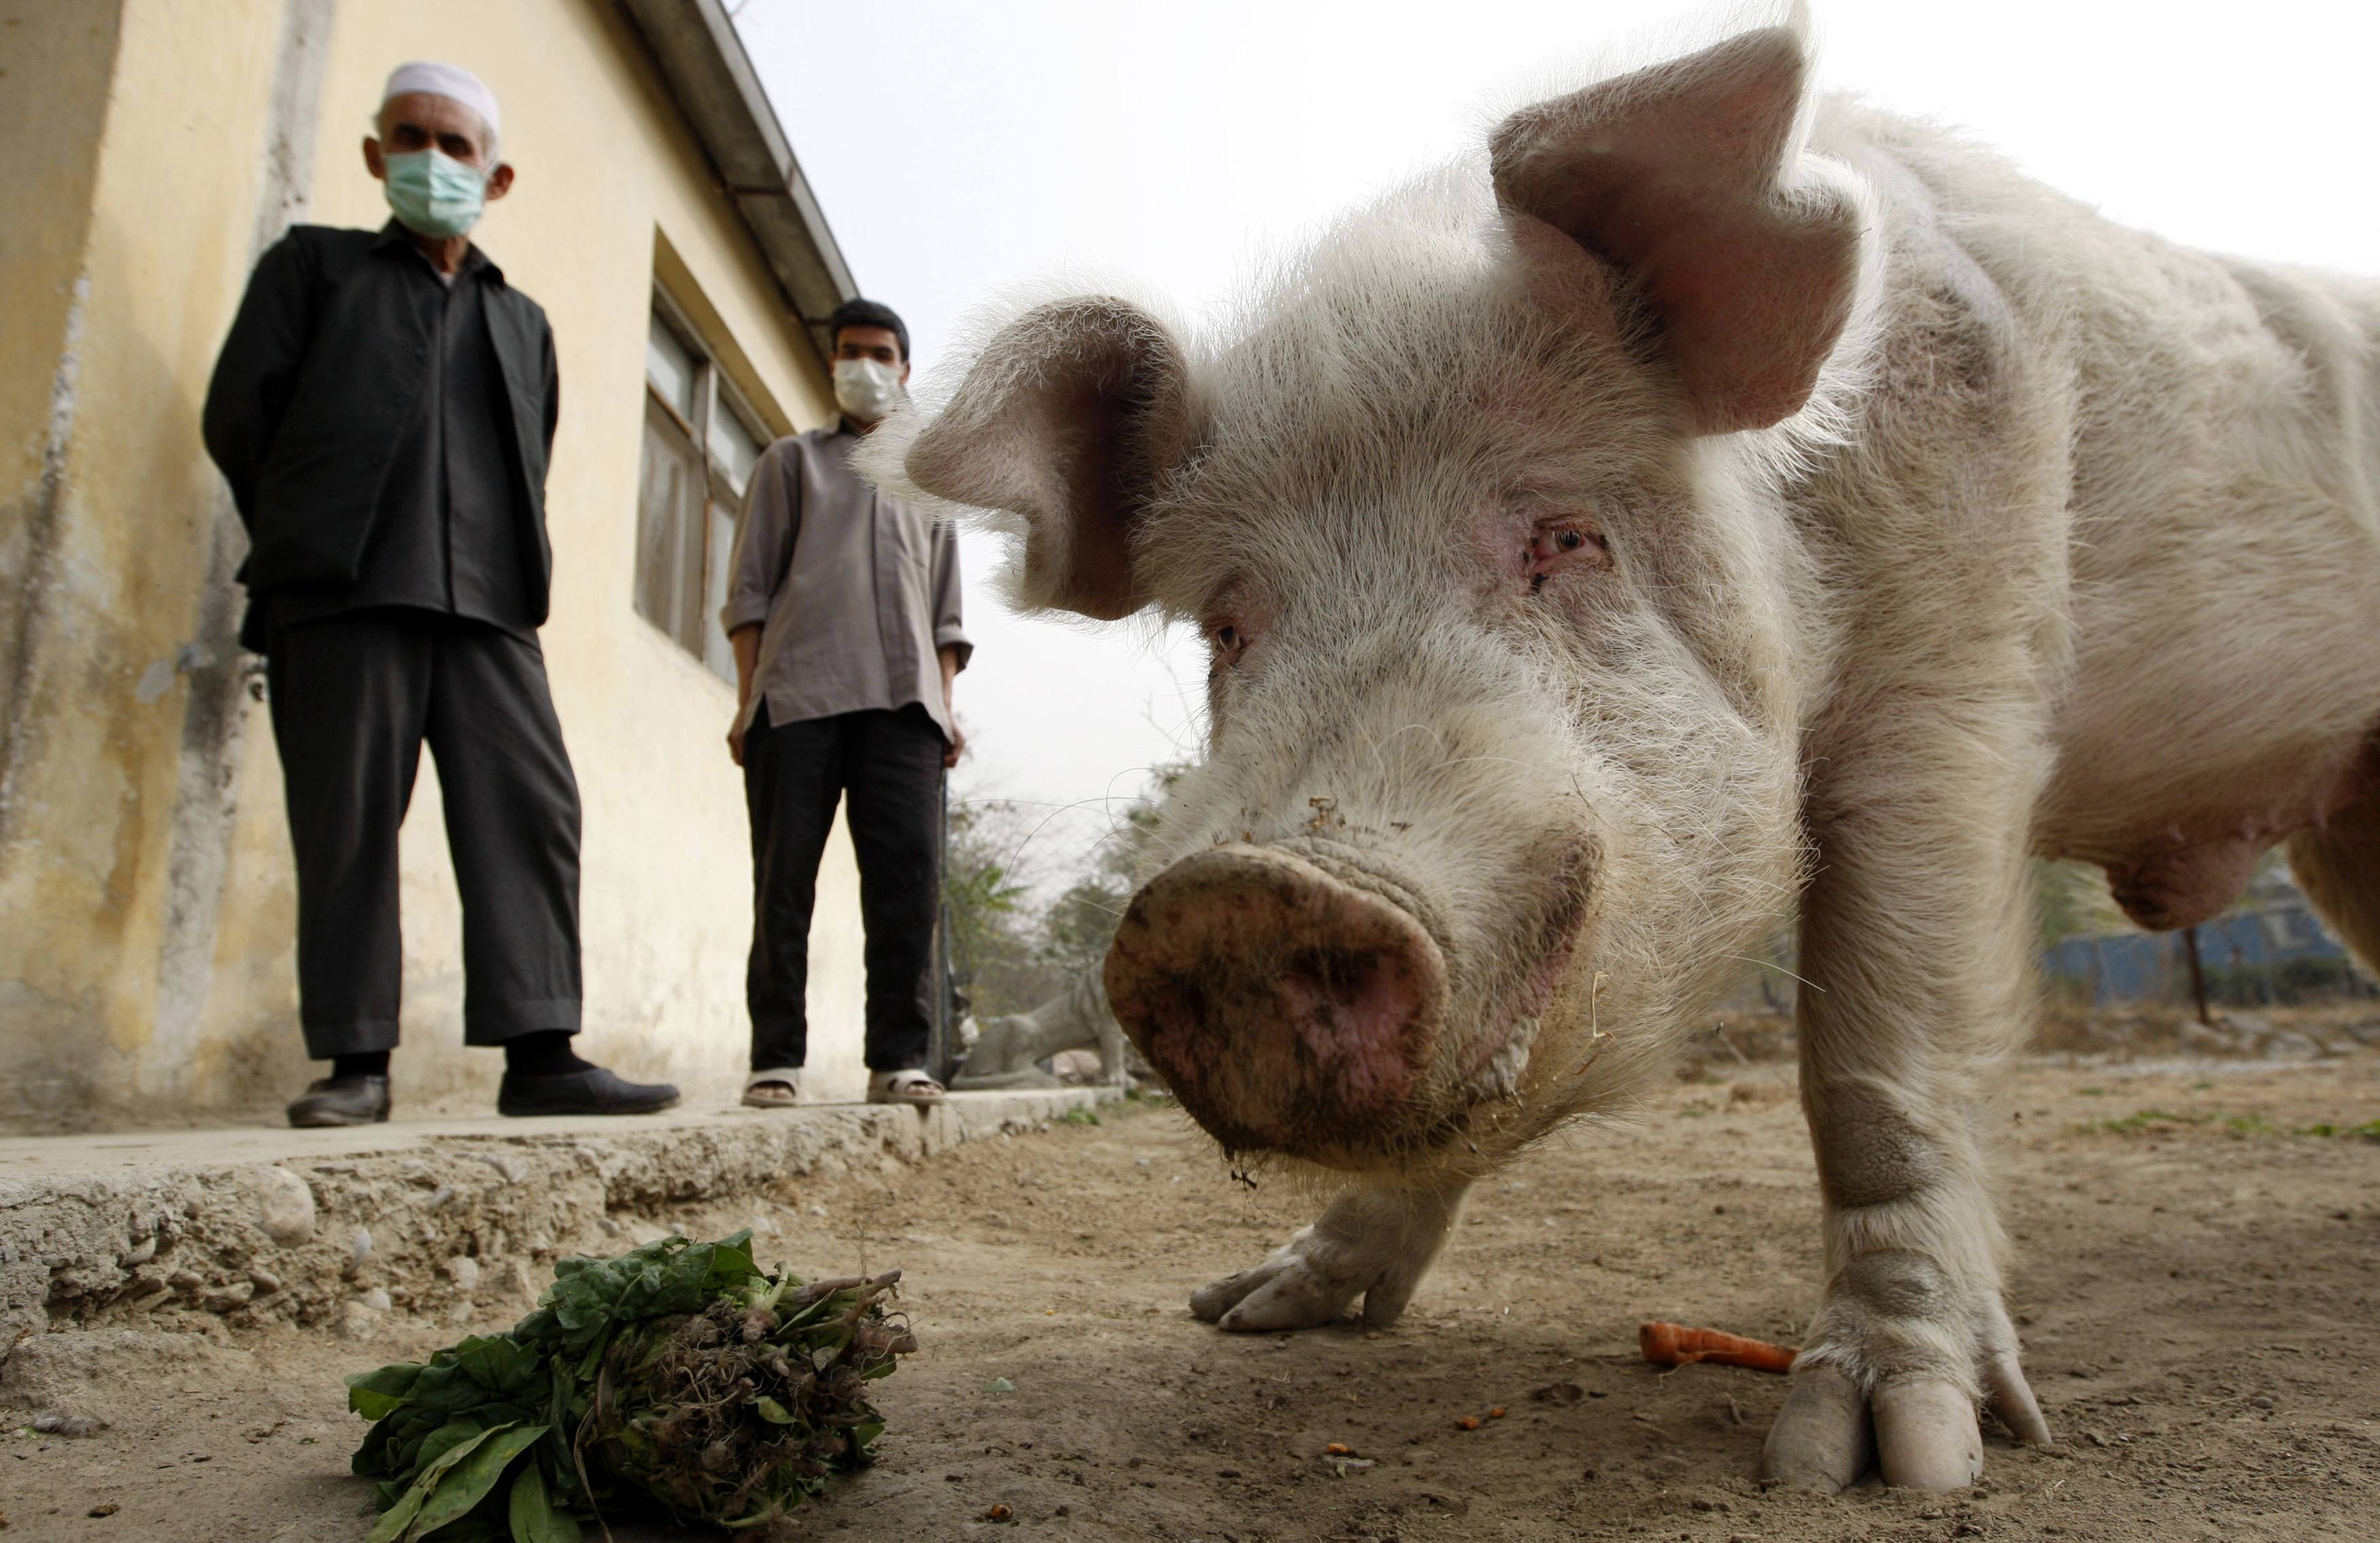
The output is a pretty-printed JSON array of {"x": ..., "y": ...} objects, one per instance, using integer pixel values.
[
  {"x": 890, "y": 765},
  {"x": 354, "y": 697}
]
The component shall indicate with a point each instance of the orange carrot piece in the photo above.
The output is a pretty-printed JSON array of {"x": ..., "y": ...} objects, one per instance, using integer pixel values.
[{"x": 1674, "y": 1344}]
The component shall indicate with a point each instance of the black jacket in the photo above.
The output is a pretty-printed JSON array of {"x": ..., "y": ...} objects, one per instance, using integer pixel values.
[{"x": 325, "y": 361}]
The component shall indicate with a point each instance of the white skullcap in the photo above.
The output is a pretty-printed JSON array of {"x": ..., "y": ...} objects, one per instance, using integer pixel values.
[{"x": 451, "y": 81}]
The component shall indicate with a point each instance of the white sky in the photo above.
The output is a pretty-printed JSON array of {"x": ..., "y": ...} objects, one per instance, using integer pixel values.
[{"x": 959, "y": 146}]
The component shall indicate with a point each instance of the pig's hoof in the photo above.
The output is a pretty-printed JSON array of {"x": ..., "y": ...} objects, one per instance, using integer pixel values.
[
  {"x": 1920, "y": 1432},
  {"x": 1822, "y": 1439},
  {"x": 1272, "y": 1296},
  {"x": 1304, "y": 1285},
  {"x": 1879, "y": 1386},
  {"x": 1926, "y": 1437}
]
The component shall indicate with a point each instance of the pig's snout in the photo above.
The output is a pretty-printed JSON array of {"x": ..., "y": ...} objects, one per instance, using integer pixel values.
[{"x": 1289, "y": 1010}]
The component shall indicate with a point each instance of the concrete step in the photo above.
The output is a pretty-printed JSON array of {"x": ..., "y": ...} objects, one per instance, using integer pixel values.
[{"x": 247, "y": 1226}]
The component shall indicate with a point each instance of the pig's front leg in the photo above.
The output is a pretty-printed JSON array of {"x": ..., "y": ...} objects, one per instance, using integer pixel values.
[
  {"x": 1374, "y": 1241},
  {"x": 1913, "y": 944}
]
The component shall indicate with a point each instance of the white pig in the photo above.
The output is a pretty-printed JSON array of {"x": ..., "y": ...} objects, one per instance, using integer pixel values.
[{"x": 1718, "y": 504}]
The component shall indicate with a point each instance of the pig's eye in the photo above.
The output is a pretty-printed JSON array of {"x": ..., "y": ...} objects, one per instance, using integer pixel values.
[
  {"x": 1229, "y": 640},
  {"x": 1557, "y": 545}
]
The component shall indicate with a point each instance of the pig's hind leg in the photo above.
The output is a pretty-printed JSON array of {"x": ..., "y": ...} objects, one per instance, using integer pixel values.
[
  {"x": 1375, "y": 1242},
  {"x": 1914, "y": 942}
]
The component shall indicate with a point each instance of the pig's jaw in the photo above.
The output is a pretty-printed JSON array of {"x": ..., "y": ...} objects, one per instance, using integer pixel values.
[
  {"x": 1499, "y": 1056},
  {"x": 1500, "y": 1061}
]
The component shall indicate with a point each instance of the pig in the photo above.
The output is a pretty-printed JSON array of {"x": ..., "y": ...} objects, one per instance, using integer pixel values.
[
  {"x": 1006, "y": 1050},
  {"x": 1715, "y": 504}
]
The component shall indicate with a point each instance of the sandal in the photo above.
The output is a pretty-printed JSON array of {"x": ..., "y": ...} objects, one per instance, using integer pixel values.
[
  {"x": 778, "y": 1088},
  {"x": 911, "y": 1087}
]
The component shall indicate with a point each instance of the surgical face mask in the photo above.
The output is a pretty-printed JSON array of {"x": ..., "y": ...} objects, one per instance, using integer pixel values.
[
  {"x": 867, "y": 389},
  {"x": 433, "y": 193}
]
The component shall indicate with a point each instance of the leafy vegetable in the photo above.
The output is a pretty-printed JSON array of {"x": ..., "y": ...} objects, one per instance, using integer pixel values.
[{"x": 676, "y": 1375}]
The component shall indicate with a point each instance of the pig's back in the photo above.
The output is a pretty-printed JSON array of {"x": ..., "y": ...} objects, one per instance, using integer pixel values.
[{"x": 2209, "y": 430}]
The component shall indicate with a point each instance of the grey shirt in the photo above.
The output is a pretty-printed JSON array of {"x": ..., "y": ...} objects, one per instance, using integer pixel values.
[{"x": 853, "y": 592}]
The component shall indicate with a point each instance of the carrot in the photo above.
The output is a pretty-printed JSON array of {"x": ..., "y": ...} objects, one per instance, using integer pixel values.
[{"x": 1674, "y": 1344}]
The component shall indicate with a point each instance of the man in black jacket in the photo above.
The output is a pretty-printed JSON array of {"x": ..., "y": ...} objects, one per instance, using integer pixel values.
[{"x": 384, "y": 409}]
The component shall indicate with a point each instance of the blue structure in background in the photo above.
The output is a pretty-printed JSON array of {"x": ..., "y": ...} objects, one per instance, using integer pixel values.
[{"x": 2274, "y": 926}]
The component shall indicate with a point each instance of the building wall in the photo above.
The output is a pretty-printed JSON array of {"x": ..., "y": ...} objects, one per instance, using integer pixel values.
[
  {"x": 170, "y": 127},
  {"x": 52, "y": 101},
  {"x": 607, "y": 174}
]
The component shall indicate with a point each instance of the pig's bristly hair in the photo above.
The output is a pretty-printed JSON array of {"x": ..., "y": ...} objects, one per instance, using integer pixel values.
[
  {"x": 974, "y": 360},
  {"x": 1441, "y": 224}
]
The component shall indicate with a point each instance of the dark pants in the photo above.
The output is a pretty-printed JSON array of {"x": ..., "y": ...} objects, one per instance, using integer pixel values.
[
  {"x": 890, "y": 765},
  {"x": 354, "y": 697}
]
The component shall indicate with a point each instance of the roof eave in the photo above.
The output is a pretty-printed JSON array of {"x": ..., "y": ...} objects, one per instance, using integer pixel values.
[{"x": 702, "y": 62}]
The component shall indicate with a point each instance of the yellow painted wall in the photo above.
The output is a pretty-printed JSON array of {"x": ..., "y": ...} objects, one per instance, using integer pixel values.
[
  {"x": 606, "y": 163},
  {"x": 54, "y": 64},
  {"x": 93, "y": 751}
]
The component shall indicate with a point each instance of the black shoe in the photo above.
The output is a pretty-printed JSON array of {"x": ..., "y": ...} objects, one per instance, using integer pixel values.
[
  {"x": 592, "y": 1091},
  {"x": 359, "y": 1101}
]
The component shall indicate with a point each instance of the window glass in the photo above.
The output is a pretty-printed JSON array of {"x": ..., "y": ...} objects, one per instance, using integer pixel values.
[
  {"x": 717, "y": 652},
  {"x": 700, "y": 449},
  {"x": 673, "y": 369},
  {"x": 734, "y": 447},
  {"x": 670, "y": 577}
]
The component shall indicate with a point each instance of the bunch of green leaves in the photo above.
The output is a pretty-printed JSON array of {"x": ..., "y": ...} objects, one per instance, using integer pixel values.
[{"x": 676, "y": 1375}]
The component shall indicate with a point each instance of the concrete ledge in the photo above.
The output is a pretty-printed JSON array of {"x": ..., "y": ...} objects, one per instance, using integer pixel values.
[{"x": 248, "y": 1226}]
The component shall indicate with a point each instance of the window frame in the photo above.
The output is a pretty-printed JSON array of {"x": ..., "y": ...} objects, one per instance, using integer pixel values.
[
  {"x": 666, "y": 311},
  {"x": 714, "y": 395},
  {"x": 728, "y": 403}
]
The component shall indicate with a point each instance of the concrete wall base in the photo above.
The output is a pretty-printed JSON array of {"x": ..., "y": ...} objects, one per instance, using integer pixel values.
[{"x": 207, "y": 1228}]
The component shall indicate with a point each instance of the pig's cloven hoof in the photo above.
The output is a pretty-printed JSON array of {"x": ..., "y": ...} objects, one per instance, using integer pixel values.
[
  {"x": 1309, "y": 1282},
  {"x": 1289, "y": 1292},
  {"x": 1822, "y": 1439},
  {"x": 1918, "y": 1433},
  {"x": 1374, "y": 1241},
  {"x": 1926, "y": 1437}
]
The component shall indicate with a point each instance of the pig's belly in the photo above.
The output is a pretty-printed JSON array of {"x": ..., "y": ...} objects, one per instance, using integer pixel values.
[{"x": 2186, "y": 750}]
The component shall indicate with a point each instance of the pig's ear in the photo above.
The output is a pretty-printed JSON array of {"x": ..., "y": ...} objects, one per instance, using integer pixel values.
[
  {"x": 1684, "y": 177},
  {"x": 1068, "y": 419}
]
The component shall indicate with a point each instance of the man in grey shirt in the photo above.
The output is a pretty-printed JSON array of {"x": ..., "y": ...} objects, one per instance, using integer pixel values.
[{"x": 843, "y": 605}]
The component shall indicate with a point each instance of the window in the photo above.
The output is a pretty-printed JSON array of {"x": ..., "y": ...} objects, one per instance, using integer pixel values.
[{"x": 700, "y": 446}]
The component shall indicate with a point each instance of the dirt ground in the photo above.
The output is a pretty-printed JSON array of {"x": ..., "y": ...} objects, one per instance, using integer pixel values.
[{"x": 2194, "y": 1273}]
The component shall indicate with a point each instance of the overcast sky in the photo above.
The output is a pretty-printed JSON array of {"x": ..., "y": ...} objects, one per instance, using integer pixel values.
[{"x": 959, "y": 146}]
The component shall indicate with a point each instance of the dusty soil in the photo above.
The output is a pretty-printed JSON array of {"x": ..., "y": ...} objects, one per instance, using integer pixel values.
[{"x": 2194, "y": 1271}]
